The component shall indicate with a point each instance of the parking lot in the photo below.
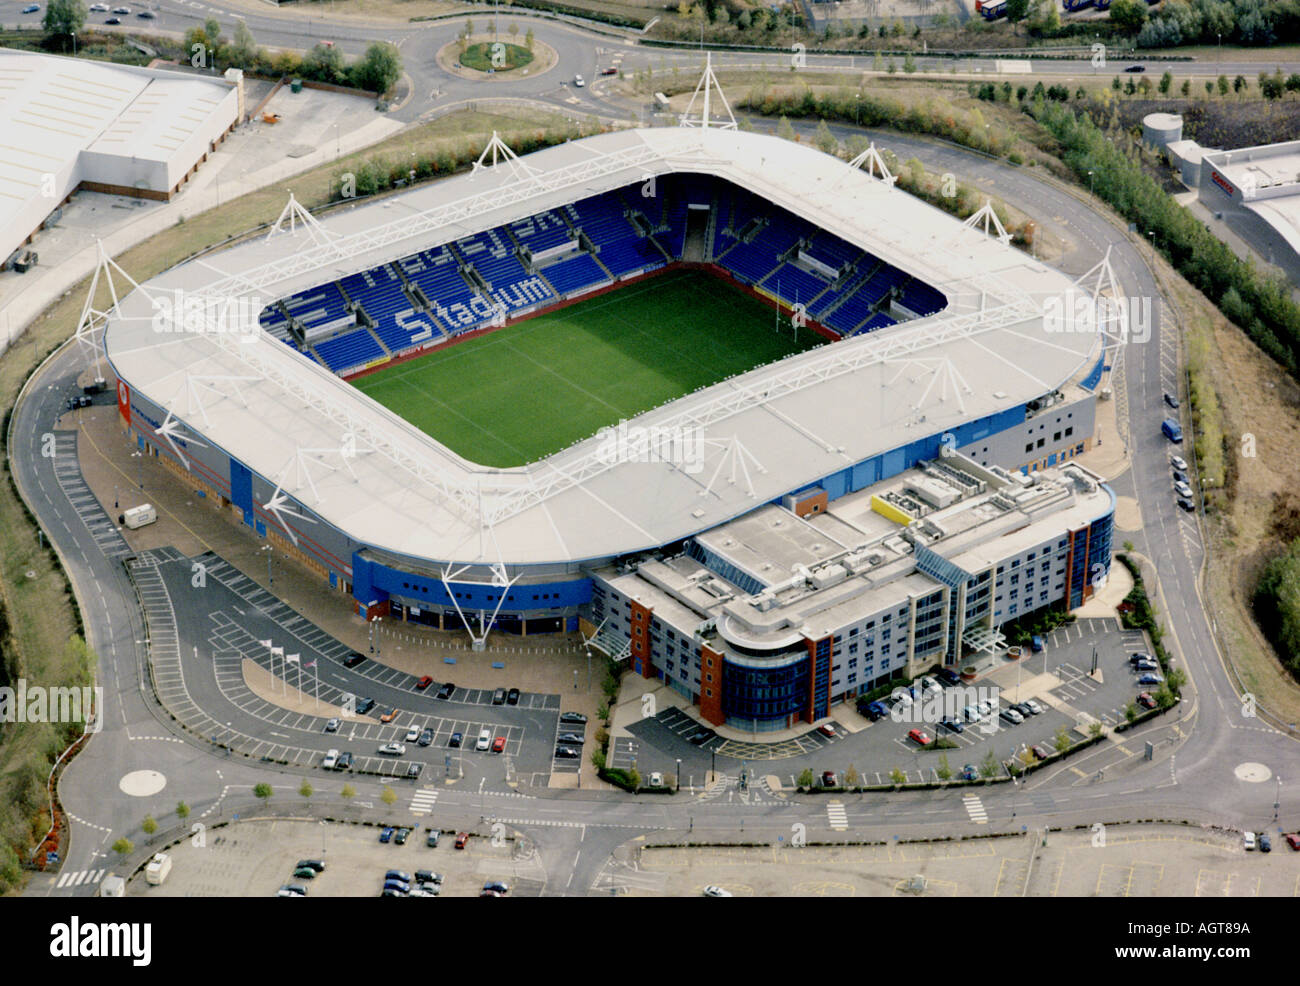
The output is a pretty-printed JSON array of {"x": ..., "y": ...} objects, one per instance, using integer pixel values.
[
  {"x": 254, "y": 859},
  {"x": 1061, "y": 678},
  {"x": 1132, "y": 861}
]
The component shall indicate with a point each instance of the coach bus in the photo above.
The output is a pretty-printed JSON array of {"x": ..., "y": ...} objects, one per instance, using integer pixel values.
[{"x": 991, "y": 10}]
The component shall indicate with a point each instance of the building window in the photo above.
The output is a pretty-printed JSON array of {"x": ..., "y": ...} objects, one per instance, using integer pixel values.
[
  {"x": 1069, "y": 431},
  {"x": 1041, "y": 441}
]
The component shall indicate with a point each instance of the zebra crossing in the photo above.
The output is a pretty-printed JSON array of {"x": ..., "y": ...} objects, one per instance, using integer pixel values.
[
  {"x": 80, "y": 878},
  {"x": 837, "y": 816},
  {"x": 975, "y": 809},
  {"x": 67, "y": 471},
  {"x": 423, "y": 801}
]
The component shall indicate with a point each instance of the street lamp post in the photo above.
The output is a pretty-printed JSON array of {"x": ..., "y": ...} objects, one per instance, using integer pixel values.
[
  {"x": 679, "y": 776},
  {"x": 1090, "y": 191},
  {"x": 1277, "y": 799},
  {"x": 269, "y": 578}
]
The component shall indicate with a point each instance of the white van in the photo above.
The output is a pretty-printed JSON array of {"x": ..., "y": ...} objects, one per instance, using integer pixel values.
[
  {"x": 138, "y": 516},
  {"x": 484, "y": 739}
]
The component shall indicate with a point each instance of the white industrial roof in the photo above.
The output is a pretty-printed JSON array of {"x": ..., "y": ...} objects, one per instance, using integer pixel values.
[
  {"x": 160, "y": 119},
  {"x": 769, "y": 430}
]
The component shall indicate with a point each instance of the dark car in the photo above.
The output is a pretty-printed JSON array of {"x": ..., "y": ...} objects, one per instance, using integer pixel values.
[
  {"x": 426, "y": 737},
  {"x": 113, "y": 20},
  {"x": 397, "y": 888},
  {"x": 427, "y": 876},
  {"x": 1180, "y": 477},
  {"x": 401, "y": 836},
  {"x": 1040, "y": 751},
  {"x": 573, "y": 717},
  {"x": 386, "y": 834},
  {"x": 499, "y": 697},
  {"x": 413, "y": 770},
  {"x": 947, "y": 676},
  {"x": 423, "y": 683},
  {"x": 512, "y": 697},
  {"x": 970, "y": 773},
  {"x": 304, "y": 873},
  {"x": 1186, "y": 504},
  {"x": 76, "y": 402},
  {"x": 446, "y": 690},
  {"x": 609, "y": 71},
  {"x": 401, "y": 876},
  {"x": 354, "y": 660},
  {"x": 877, "y": 710},
  {"x": 1265, "y": 843},
  {"x": 1136, "y": 68},
  {"x": 146, "y": 14},
  {"x": 829, "y": 779},
  {"x": 315, "y": 864},
  {"x": 1024, "y": 708},
  {"x": 952, "y": 725},
  {"x": 566, "y": 753},
  {"x": 570, "y": 738},
  {"x": 364, "y": 705},
  {"x": 454, "y": 742},
  {"x": 497, "y": 887},
  {"x": 1171, "y": 400},
  {"x": 701, "y": 737},
  {"x": 344, "y": 762}
]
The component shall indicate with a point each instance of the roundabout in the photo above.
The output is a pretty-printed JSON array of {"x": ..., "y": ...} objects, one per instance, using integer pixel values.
[{"x": 488, "y": 59}]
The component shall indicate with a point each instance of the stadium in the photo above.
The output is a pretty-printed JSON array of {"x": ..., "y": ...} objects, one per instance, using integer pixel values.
[{"x": 554, "y": 393}]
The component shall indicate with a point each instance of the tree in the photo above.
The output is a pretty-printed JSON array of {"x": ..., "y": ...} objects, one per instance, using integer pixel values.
[
  {"x": 1117, "y": 85},
  {"x": 909, "y": 63},
  {"x": 897, "y": 777},
  {"x": 212, "y": 28},
  {"x": 1128, "y": 15},
  {"x": 528, "y": 39},
  {"x": 348, "y": 793},
  {"x": 262, "y": 791},
  {"x": 243, "y": 50},
  {"x": 305, "y": 789},
  {"x": 1187, "y": 88},
  {"x": 469, "y": 28},
  {"x": 64, "y": 17},
  {"x": 1095, "y": 728},
  {"x": 1062, "y": 740},
  {"x": 598, "y": 758},
  {"x": 1131, "y": 711},
  {"x": 989, "y": 766},
  {"x": 1224, "y": 85},
  {"x": 634, "y": 779},
  {"x": 388, "y": 796},
  {"x": 1209, "y": 88},
  {"x": 784, "y": 130},
  {"x": 324, "y": 63},
  {"x": 379, "y": 68},
  {"x": 944, "y": 770},
  {"x": 182, "y": 810},
  {"x": 513, "y": 29},
  {"x": 123, "y": 847},
  {"x": 891, "y": 68},
  {"x": 1240, "y": 85},
  {"x": 851, "y": 777},
  {"x": 149, "y": 826},
  {"x": 1017, "y": 11},
  {"x": 805, "y": 777},
  {"x": 877, "y": 62},
  {"x": 824, "y": 139},
  {"x": 1166, "y": 81}
]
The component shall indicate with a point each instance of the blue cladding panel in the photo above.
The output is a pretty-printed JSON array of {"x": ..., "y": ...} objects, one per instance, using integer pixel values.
[
  {"x": 241, "y": 490},
  {"x": 373, "y": 582}
]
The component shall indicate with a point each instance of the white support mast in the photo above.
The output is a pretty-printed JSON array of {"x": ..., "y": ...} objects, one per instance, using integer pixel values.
[{"x": 708, "y": 82}]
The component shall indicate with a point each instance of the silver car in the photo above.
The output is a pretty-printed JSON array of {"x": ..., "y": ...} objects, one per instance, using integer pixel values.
[{"x": 393, "y": 749}]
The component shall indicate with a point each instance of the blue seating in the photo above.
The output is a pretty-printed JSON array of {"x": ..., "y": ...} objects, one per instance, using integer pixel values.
[
  {"x": 574, "y": 273},
  {"x": 542, "y": 231},
  {"x": 349, "y": 350},
  {"x": 794, "y": 284},
  {"x": 318, "y": 306}
]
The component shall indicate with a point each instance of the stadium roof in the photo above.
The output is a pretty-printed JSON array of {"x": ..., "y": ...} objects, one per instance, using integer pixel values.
[{"x": 767, "y": 431}]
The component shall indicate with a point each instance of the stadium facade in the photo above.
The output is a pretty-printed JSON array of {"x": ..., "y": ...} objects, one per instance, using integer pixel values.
[{"x": 229, "y": 372}]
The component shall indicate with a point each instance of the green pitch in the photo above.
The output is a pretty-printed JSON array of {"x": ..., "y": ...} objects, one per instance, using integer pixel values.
[{"x": 526, "y": 391}]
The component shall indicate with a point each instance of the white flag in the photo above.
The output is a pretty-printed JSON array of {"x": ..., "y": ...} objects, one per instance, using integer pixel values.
[{"x": 291, "y": 658}]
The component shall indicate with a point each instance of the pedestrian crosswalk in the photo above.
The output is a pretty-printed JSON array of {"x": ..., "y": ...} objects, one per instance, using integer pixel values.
[
  {"x": 80, "y": 878},
  {"x": 423, "y": 801},
  {"x": 975, "y": 808},
  {"x": 837, "y": 816}
]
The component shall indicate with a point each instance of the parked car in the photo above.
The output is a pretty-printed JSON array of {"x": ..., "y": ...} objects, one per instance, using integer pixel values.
[
  {"x": 345, "y": 761},
  {"x": 426, "y": 737},
  {"x": 1248, "y": 841},
  {"x": 827, "y": 730},
  {"x": 118, "y": 20},
  {"x": 971, "y": 713},
  {"x": 952, "y": 725},
  {"x": 147, "y": 15},
  {"x": 497, "y": 886},
  {"x": 1011, "y": 715},
  {"x": 412, "y": 734},
  {"x": 499, "y": 744},
  {"x": 1146, "y": 700},
  {"x": 986, "y": 707},
  {"x": 929, "y": 687},
  {"x": 579, "y": 81},
  {"x": 1024, "y": 709},
  {"x": 699, "y": 737},
  {"x": 1293, "y": 840},
  {"x": 829, "y": 779},
  {"x": 948, "y": 676},
  {"x": 1182, "y": 489},
  {"x": 396, "y": 888},
  {"x": 386, "y": 834},
  {"x": 292, "y": 890},
  {"x": 364, "y": 705},
  {"x": 609, "y": 71},
  {"x": 712, "y": 891},
  {"x": 424, "y": 890},
  {"x": 1170, "y": 399},
  {"x": 577, "y": 718},
  {"x": 455, "y": 741},
  {"x": 1178, "y": 462},
  {"x": 390, "y": 892},
  {"x": 1140, "y": 660},
  {"x": 401, "y": 876},
  {"x": 393, "y": 749},
  {"x": 1036, "y": 707},
  {"x": 332, "y": 726},
  {"x": 499, "y": 697},
  {"x": 570, "y": 738},
  {"x": 431, "y": 840},
  {"x": 567, "y": 753},
  {"x": 920, "y": 737},
  {"x": 461, "y": 839},
  {"x": 31, "y": 8},
  {"x": 1036, "y": 644},
  {"x": 401, "y": 836},
  {"x": 80, "y": 401},
  {"x": 423, "y": 683},
  {"x": 446, "y": 689},
  {"x": 121, "y": 10},
  {"x": 970, "y": 773},
  {"x": 877, "y": 710},
  {"x": 315, "y": 864},
  {"x": 331, "y": 760},
  {"x": 388, "y": 716},
  {"x": 1186, "y": 503},
  {"x": 1150, "y": 678},
  {"x": 304, "y": 873},
  {"x": 1179, "y": 476},
  {"x": 413, "y": 770},
  {"x": 484, "y": 739},
  {"x": 512, "y": 697},
  {"x": 99, "y": 8},
  {"x": 427, "y": 876},
  {"x": 354, "y": 660},
  {"x": 1265, "y": 843},
  {"x": 1040, "y": 751}
]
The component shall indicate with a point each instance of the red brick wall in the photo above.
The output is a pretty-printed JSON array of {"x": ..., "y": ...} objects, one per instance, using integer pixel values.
[
  {"x": 641, "y": 641},
  {"x": 711, "y": 691}
]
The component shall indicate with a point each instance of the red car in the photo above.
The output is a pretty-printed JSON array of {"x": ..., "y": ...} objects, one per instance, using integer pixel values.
[
  {"x": 1293, "y": 840},
  {"x": 461, "y": 839},
  {"x": 1146, "y": 701},
  {"x": 827, "y": 730},
  {"x": 917, "y": 736},
  {"x": 423, "y": 683},
  {"x": 499, "y": 744}
]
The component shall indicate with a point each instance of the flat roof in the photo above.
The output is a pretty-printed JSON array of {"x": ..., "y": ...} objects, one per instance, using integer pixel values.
[{"x": 268, "y": 406}]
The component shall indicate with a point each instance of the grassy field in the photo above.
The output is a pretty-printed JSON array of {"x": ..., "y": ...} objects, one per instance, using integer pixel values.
[{"x": 520, "y": 393}]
